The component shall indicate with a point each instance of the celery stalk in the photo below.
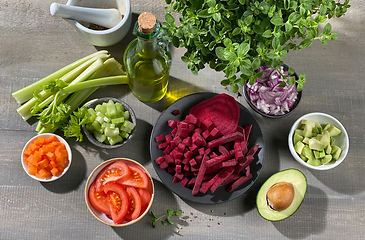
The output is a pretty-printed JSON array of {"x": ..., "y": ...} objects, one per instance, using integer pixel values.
[
  {"x": 26, "y": 93},
  {"x": 47, "y": 97}
]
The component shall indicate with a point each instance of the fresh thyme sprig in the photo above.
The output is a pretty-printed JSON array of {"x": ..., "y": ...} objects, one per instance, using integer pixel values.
[{"x": 164, "y": 219}]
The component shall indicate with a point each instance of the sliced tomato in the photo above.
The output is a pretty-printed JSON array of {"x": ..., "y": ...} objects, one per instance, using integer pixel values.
[
  {"x": 99, "y": 200},
  {"x": 134, "y": 204},
  {"x": 111, "y": 173},
  {"x": 137, "y": 178},
  {"x": 145, "y": 198},
  {"x": 118, "y": 201}
]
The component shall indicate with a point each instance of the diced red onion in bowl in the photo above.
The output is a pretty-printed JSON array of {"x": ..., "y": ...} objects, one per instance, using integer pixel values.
[{"x": 266, "y": 95}]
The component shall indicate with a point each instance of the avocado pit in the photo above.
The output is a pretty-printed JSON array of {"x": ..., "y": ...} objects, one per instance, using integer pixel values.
[{"x": 280, "y": 196}]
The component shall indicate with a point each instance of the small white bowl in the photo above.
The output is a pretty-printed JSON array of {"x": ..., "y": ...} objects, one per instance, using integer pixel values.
[
  {"x": 46, "y": 136},
  {"x": 107, "y": 37},
  {"x": 101, "y": 216},
  {"x": 341, "y": 140}
]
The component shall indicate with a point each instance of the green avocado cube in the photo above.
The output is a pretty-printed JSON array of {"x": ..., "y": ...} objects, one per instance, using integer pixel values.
[
  {"x": 307, "y": 152},
  {"x": 336, "y": 155},
  {"x": 314, "y": 144},
  {"x": 333, "y": 131},
  {"x": 299, "y": 147},
  {"x": 326, "y": 159},
  {"x": 314, "y": 162},
  {"x": 297, "y": 138}
]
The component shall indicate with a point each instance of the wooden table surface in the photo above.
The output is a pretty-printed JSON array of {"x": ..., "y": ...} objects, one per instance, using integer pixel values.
[{"x": 34, "y": 44}]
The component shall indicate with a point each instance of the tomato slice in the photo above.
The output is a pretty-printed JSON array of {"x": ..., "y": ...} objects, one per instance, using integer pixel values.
[
  {"x": 99, "y": 200},
  {"x": 134, "y": 204},
  {"x": 118, "y": 201},
  {"x": 111, "y": 173},
  {"x": 137, "y": 178},
  {"x": 145, "y": 198}
]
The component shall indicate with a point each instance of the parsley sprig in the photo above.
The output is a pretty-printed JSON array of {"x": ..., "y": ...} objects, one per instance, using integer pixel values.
[
  {"x": 164, "y": 219},
  {"x": 239, "y": 36}
]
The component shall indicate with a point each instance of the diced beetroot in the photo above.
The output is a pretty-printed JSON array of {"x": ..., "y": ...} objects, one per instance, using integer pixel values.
[
  {"x": 215, "y": 133},
  {"x": 207, "y": 151},
  {"x": 178, "y": 168},
  {"x": 177, "y": 161},
  {"x": 193, "y": 147},
  {"x": 160, "y": 160},
  {"x": 176, "y": 154},
  {"x": 187, "y": 141},
  {"x": 162, "y": 145},
  {"x": 201, "y": 151},
  {"x": 191, "y": 127},
  {"x": 206, "y": 134},
  {"x": 198, "y": 130},
  {"x": 239, "y": 182},
  {"x": 173, "y": 133},
  {"x": 222, "y": 175},
  {"x": 197, "y": 139},
  {"x": 175, "y": 180},
  {"x": 183, "y": 125},
  {"x": 172, "y": 123},
  {"x": 164, "y": 165},
  {"x": 169, "y": 159},
  {"x": 224, "y": 139},
  {"x": 184, "y": 181},
  {"x": 200, "y": 176},
  {"x": 248, "y": 129},
  {"x": 216, "y": 160},
  {"x": 222, "y": 109},
  {"x": 190, "y": 118},
  {"x": 167, "y": 150},
  {"x": 188, "y": 154},
  {"x": 186, "y": 167},
  {"x": 160, "y": 138},
  {"x": 176, "y": 112},
  {"x": 209, "y": 125},
  {"x": 181, "y": 147},
  {"x": 168, "y": 138},
  {"x": 182, "y": 132},
  {"x": 195, "y": 168},
  {"x": 199, "y": 159},
  {"x": 185, "y": 160},
  {"x": 192, "y": 162},
  {"x": 179, "y": 176}
]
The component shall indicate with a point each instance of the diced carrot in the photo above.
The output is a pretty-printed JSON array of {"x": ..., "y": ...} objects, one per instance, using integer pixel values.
[
  {"x": 55, "y": 172},
  {"x": 46, "y": 157},
  {"x": 39, "y": 141},
  {"x": 43, "y": 164},
  {"x": 32, "y": 170},
  {"x": 51, "y": 139},
  {"x": 43, "y": 173}
]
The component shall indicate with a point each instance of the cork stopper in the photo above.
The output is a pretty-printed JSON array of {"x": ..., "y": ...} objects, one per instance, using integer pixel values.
[{"x": 146, "y": 22}]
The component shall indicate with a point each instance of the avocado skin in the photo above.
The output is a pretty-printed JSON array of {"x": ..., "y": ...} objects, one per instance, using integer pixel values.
[{"x": 294, "y": 176}]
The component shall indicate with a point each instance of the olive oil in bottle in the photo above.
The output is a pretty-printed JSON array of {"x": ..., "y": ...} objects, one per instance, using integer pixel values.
[{"x": 147, "y": 60}]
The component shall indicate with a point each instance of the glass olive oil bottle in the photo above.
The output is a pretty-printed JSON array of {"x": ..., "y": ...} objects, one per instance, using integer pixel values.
[{"x": 147, "y": 60}]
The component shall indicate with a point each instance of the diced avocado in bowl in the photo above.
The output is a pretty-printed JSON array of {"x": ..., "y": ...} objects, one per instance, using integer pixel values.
[{"x": 318, "y": 141}]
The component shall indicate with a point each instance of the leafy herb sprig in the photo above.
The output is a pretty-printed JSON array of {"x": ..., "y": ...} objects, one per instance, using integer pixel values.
[
  {"x": 239, "y": 36},
  {"x": 166, "y": 217}
]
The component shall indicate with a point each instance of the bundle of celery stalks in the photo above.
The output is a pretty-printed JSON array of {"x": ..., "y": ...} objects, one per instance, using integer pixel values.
[{"x": 56, "y": 99}]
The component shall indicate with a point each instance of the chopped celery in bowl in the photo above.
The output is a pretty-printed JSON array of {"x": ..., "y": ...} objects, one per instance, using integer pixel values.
[{"x": 113, "y": 123}]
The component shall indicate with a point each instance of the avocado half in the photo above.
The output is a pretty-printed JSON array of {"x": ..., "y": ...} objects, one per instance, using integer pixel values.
[{"x": 281, "y": 195}]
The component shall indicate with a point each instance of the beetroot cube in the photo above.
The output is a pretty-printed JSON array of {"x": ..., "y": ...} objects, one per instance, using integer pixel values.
[
  {"x": 175, "y": 180},
  {"x": 206, "y": 134},
  {"x": 162, "y": 145},
  {"x": 212, "y": 154},
  {"x": 215, "y": 133},
  {"x": 187, "y": 141},
  {"x": 173, "y": 133},
  {"x": 208, "y": 124},
  {"x": 181, "y": 147},
  {"x": 176, "y": 154},
  {"x": 191, "y": 182},
  {"x": 190, "y": 118},
  {"x": 183, "y": 125},
  {"x": 178, "y": 161},
  {"x": 192, "y": 162},
  {"x": 198, "y": 130},
  {"x": 160, "y": 138},
  {"x": 179, "y": 176},
  {"x": 186, "y": 167},
  {"x": 169, "y": 159},
  {"x": 172, "y": 123},
  {"x": 164, "y": 165},
  {"x": 197, "y": 139},
  {"x": 207, "y": 151},
  {"x": 168, "y": 138},
  {"x": 188, "y": 154},
  {"x": 167, "y": 150},
  {"x": 170, "y": 169},
  {"x": 193, "y": 147},
  {"x": 185, "y": 161},
  {"x": 199, "y": 158},
  {"x": 160, "y": 160},
  {"x": 184, "y": 181},
  {"x": 201, "y": 151},
  {"x": 176, "y": 112}
]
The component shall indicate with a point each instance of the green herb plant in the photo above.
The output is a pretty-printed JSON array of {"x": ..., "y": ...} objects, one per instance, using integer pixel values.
[
  {"x": 166, "y": 217},
  {"x": 239, "y": 36}
]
